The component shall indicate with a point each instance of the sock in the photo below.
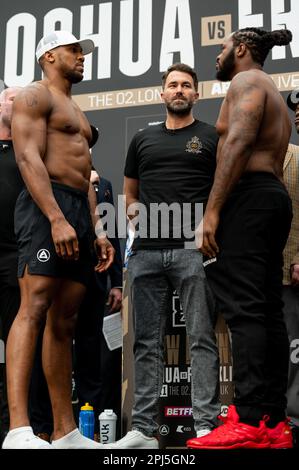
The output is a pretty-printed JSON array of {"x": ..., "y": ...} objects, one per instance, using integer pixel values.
[
  {"x": 75, "y": 440},
  {"x": 23, "y": 438}
]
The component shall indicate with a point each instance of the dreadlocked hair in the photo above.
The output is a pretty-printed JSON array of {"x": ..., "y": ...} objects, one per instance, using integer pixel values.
[{"x": 260, "y": 42}]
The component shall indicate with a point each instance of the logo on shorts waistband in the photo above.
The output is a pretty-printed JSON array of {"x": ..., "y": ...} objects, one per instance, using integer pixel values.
[{"x": 43, "y": 255}]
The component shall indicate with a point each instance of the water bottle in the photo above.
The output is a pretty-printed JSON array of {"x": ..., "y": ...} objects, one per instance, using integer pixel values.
[
  {"x": 86, "y": 421},
  {"x": 107, "y": 423}
]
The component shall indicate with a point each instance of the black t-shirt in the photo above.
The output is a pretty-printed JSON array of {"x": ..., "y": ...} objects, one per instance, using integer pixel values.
[
  {"x": 173, "y": 167},
  {"x": 11, "y": 184}
]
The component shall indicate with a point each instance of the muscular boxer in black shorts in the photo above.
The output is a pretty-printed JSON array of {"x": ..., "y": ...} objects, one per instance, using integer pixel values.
[
  {"x": 36, "y": 246},
  {"x": 51, "y": 139},
  {"x": 245, "y": 228}
]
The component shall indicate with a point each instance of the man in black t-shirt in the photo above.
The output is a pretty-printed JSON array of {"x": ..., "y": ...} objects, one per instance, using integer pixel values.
[
  {"x": 11, "y": 184},
  {"x": 168, "y": 174}
]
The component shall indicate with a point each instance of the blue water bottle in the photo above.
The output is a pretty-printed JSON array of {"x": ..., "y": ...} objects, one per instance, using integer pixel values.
[{"x": 86, "y": 421}]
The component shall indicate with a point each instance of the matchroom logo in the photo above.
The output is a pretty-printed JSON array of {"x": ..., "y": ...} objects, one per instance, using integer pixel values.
[{"x": 214, "y": 29}]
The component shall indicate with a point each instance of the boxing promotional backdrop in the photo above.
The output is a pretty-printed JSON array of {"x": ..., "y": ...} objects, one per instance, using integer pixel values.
[{"x": 136, "y": 40}]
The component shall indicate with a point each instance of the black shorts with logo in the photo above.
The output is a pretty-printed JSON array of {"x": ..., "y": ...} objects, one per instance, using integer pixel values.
[{"x": 34, "y": 238}]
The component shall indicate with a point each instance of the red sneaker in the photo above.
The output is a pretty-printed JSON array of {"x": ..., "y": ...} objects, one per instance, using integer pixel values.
[
  {"x": 233, "y": 435},
  {"x": 281, "y": 436}
]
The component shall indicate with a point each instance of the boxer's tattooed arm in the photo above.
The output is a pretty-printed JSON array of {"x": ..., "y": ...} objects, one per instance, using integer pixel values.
[
  {"x": 245, "y": 109},
  {"x": 31, "y": 96},
  {"x": 31, "y": 99}
]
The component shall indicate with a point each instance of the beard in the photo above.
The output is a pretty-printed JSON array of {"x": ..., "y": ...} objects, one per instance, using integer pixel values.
[
  {"x": 73, "y": 76},
  {"x": 224, "y": 74},
  {"x": 181, "y": 109}
]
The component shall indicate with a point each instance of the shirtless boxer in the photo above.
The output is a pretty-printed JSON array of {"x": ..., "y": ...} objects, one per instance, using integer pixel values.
[
  {"x": 55, "y": 237},
  {"x": 245, "y": 228}
]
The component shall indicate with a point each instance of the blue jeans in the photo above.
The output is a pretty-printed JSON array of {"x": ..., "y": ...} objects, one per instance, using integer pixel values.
[{"x": 154, "y": 274}]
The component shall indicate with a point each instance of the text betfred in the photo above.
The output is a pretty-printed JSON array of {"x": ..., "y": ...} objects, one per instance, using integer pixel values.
[{"x": 175, "y": 411}]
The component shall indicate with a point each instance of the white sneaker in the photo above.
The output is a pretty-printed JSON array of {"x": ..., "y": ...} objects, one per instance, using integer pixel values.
[
  {"x": 75, "y": 440},
  {"x": 23, "y": 438},
  {"x": 134, "y": 440},
  {"x": 203, "y": 432}
]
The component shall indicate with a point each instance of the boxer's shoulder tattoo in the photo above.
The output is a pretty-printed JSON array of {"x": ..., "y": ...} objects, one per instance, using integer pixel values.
[
  {"x": 242, "y": 88},
  {"x": 247, "y": 117},
  {"x": 247, "y": 105},
  {"x": 31, "y": 97}
]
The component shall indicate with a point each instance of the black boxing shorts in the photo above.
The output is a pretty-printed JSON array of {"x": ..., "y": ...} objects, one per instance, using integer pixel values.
[{"x": 36, "y": 248}]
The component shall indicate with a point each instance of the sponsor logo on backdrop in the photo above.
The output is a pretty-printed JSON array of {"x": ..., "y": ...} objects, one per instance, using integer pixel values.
[
  {"x": 181, "y": 428},
  {"x": 177, "y": 411},
  {"x": 164, "y": 430}
]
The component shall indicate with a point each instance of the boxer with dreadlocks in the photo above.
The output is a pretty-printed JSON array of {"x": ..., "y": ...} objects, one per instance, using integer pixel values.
[{"x": 244, "y": 230}]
